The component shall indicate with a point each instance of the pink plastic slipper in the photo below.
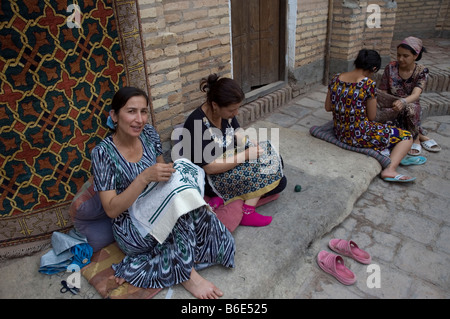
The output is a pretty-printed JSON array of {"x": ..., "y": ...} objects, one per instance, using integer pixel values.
[
  {"x": 350, "y": 249},
  {"x": 334, "y": 265}
]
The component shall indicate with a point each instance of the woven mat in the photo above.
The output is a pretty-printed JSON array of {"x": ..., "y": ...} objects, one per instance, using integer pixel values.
[
  {"x": 56, "y": 83},
  {"x": 326, "y": 133}
]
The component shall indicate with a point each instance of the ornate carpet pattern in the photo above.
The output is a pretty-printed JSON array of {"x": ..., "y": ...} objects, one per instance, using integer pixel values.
[{"x": 56, "y": 83}]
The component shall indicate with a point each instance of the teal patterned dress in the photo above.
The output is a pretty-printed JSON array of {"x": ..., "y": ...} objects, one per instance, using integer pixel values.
[{"x": 198, "y": 239}]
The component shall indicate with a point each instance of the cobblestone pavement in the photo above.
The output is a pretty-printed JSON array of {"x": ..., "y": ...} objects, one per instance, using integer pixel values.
[{"x": 406, "y": 229}]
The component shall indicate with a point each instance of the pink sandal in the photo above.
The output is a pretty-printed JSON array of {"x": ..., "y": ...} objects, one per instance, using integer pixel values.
[
  {"x": 350, "y": 249},
  {"x": 334, "y": 265}
]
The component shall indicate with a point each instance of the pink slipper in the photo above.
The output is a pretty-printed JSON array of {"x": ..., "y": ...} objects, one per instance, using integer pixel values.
[
  {"x": 215, "y": 202},
  {"x": 334, "y": 265},
  {"x": 350, "y": 249}
]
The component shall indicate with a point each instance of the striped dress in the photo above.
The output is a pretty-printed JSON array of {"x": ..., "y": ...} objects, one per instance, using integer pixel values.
[{"x": 198, "y": 239}]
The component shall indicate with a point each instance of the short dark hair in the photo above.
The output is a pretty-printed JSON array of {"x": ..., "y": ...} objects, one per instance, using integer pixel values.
[
  {"x": 407, "y": 47},
  {"x": 223, "y": 91},
  {"x": 123, "y": 95},
  {"x": 368, "y": 60}
]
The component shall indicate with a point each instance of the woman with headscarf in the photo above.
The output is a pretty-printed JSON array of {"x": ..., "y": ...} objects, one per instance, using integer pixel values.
[{"x": 405, "y": 80}]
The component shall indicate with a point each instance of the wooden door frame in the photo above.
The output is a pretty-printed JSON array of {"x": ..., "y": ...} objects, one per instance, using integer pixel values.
[{"x": 283, "y": 72}]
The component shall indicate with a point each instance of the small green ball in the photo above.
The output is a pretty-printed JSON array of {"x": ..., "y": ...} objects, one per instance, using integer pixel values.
[{"x": 298, "y": 188}]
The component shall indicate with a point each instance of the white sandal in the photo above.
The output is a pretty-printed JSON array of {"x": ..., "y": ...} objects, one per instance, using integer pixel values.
[
  {"x": 431, "y": 146},
  {"x": 417, "y": 148}
]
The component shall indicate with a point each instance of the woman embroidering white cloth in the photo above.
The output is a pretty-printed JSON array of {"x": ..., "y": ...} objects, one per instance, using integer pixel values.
[{"x": 124, "y": 164}]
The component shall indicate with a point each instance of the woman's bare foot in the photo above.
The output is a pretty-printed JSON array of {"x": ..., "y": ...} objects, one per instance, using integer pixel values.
[
  {"x": 201, "y": 288},
  {"x": 119, "y": 281},
  {"x": 388, "y": 173},
  {"x": 422, "y": 138}
]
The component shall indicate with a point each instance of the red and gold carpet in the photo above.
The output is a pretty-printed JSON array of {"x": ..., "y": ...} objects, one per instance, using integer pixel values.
[{"x": 56, "y": 82}]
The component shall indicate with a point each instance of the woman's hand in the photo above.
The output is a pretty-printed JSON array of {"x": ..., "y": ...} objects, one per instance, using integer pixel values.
[
  {"x": 115, "y": 204},
  {"x": 254, "y": 152},
  {"x": 398, "y": 105},
  {"x": 160, "y": 172}
]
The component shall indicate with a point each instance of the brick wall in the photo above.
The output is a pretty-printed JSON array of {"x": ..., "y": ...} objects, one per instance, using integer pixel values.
[
  {"x": 346, "y": 35},
  {"x": 379, "y": 37},
  {"x": 354, "y": 28},
  {"x": 421, "y": 18},
  {"x": 310, "y": 43},
  {"x": 443, "y": 21},
  {"x": 312, "y": 17},
  {"x": 186, "y": 40},
  {"x": 203, "y": 33}
]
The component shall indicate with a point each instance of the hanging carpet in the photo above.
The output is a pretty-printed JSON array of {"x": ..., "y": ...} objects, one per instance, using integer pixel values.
[{"x": 59, "y": 69}]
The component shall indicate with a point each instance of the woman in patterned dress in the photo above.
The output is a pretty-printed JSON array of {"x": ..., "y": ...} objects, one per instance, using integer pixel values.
[
  {"x": 124, "y": 163},
  {"x": 352, "y": 100},
  {"x": 220, "y": 128},
  {"x": 406, "y": 80}
]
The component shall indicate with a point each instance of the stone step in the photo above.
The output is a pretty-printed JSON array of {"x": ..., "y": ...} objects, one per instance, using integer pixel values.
[
  {"x": 434, "y": 104},
  {"x": 438, "y": 81},
  {"x": 263, "y": 106}
]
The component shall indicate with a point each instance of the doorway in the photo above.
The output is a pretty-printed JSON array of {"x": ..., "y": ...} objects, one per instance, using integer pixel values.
[{"x": 258, "y": 39}]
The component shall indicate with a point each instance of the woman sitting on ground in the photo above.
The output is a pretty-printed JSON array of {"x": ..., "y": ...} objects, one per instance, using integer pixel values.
[
  {"x": 405, "y": 80},
  {"x": 220, "y": 132},
  {"x": 123, "y": 164},
  {"x": 352, "y": 100}
]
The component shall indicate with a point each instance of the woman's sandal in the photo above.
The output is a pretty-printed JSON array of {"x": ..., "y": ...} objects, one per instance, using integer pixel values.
[
  {"x": 399, "y": 178},
  {"x": 334, "y": 265},
  {"x": 350, "y": 249},
  {"x": 417, "y": 148},
  {"x": 431, "y": 146}
]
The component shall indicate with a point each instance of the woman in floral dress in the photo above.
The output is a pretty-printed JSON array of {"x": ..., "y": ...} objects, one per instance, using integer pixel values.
[
  {"x": 352, "y": 100},
  {"x": 406, "y": 80}
]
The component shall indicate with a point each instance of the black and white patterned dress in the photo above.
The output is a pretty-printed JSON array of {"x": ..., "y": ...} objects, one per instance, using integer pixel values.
[{"x": 198, "y": 238}]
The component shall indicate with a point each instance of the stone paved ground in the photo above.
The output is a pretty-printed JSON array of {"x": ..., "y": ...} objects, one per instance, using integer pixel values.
[{"x": 406, "y": 229}]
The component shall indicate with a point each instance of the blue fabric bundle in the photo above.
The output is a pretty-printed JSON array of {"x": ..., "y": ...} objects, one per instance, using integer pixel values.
[{"x": 68, "y": 249}]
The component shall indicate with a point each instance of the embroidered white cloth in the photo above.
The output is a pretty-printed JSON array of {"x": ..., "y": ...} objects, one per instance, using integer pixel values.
[{"x": 158, "y": 208}]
